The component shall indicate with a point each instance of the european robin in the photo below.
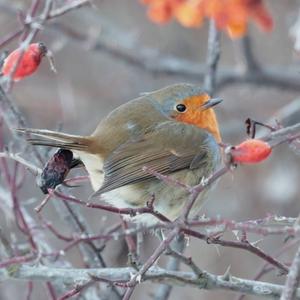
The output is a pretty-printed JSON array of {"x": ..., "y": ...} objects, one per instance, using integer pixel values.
[{"x": 173, "y": 131}]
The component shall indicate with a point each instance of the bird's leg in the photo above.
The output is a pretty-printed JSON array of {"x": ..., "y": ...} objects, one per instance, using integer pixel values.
[
  {"x": 76, "y": 163},
  {"x": 131, "y": 241}
]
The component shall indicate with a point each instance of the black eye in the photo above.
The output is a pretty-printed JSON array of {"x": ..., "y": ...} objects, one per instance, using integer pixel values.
[{"x": 180, "y": 107}]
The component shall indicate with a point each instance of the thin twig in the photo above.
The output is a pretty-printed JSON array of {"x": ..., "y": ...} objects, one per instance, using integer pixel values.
[
  {"x": 148, "y": 209},
  {"x": 239, "y": 245},
  {"x": 177, "y": 246},
  {"x": 75, "y": 4},
  {"x": 293, "y": 279},
  {"x": 138, "y": 277}
]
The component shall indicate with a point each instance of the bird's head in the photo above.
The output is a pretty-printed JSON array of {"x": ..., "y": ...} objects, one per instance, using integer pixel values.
[{"x": 189, "y": 104}]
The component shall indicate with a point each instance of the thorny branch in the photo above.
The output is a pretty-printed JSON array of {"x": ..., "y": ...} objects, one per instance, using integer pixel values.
[
  {"x": 261, "y": 226},
  {"x": 179, "y": 227},
  {"x": 14, "y": 118},
  {"x": 22, "y": 265},
  {"x": 265, "y": 269},
  {"x": 155, "y": 274},
  {"x": 293, "y": 279},
  {"x": 178, "y": 245}
]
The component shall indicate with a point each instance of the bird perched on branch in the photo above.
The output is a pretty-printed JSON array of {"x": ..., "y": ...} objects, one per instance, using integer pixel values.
[{"x": 172, "y": 131}]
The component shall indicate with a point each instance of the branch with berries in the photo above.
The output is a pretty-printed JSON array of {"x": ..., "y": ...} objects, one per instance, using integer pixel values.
[
  {"x": 37, "y": 259},
  {"x": 249, "y": 151}
]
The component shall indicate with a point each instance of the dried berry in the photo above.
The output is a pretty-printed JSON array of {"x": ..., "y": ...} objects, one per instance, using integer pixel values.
[{"x": 55, "y": 170}]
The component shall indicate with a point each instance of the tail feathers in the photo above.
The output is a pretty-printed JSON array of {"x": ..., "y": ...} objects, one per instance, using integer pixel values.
[{"x": 56, "y": 139}]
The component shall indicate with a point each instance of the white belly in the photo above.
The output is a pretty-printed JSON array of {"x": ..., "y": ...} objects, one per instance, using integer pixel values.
[
  {"x": 166, "y": 201},
  {"x": 94, "y": 166},
  {"x": 169, "y": 200}
]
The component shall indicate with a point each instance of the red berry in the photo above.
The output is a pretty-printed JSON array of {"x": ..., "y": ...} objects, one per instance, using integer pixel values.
[
  {"x": 251, "y": 151},
  {"x": 28, "y": 64}
]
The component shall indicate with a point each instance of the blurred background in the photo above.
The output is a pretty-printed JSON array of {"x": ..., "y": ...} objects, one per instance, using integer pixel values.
[{"x": 98, "y": 53}]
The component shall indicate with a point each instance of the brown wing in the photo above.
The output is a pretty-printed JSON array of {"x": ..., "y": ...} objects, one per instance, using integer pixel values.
[{"x": 167, "y": 147}]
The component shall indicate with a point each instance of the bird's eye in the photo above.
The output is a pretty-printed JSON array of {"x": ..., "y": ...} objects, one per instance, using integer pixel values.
[{"x": 181, "y": 108}]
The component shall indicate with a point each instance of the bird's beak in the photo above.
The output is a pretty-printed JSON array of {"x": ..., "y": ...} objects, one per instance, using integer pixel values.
[{"x": 211, "y": 102}]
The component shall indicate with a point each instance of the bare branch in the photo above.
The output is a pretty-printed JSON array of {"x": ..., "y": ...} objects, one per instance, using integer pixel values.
[
  {"x": 293, "y": 279},
  {"x": 213, "y": 56},
  {"x": 239, "y": 245},
  {"x": 46, "y": 15},
  {"x": 67, "y": 8},
  {"x": 206, "y": 281},
  {"x": 247, "y": 60},
  {"x": 125, "y": 48},
  {"x": 27, "y": 164}
]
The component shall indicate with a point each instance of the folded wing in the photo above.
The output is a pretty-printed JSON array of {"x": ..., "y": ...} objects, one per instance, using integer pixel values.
[{"x": 165, "y": 148}]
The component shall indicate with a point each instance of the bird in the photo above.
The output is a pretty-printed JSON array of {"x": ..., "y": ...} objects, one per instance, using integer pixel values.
[{"x": 173, "y": 131}]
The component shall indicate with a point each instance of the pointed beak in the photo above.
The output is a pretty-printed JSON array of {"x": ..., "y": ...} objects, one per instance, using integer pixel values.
[{"x": 211, "y": 103}]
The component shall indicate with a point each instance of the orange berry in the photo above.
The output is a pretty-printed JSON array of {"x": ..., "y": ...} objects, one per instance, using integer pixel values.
[
  {"x": 230, "y": 15},
  {"x": 236, "y": 30},
  {"x": 189, "y": 14},
  {"x": 160, "y": 12}
]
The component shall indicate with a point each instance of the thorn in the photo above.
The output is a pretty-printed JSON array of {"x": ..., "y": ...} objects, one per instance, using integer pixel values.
[
  {"x": 138, "y": 278},
  {"x": 218, "y": 250},
  {"x": 131, "y": 274},
  {"x": 226, "y": 276},
  {"x": 187, "y": 241},
  {"x": 256, "y": 242},
  {"x": 236, "y": 234},
  {"x": 204, "y": 181},
  {"x": 51, "y": 61}
]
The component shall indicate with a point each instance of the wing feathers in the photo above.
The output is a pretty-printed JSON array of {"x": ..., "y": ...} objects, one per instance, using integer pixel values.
[{"x": 170, "y": 147}]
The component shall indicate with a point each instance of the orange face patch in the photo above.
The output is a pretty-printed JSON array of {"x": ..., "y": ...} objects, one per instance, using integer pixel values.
[{"x": 195, "y": 115}]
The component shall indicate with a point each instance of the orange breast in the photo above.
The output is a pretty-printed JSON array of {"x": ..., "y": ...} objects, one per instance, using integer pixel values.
[{"x": 205, "y": 119}]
